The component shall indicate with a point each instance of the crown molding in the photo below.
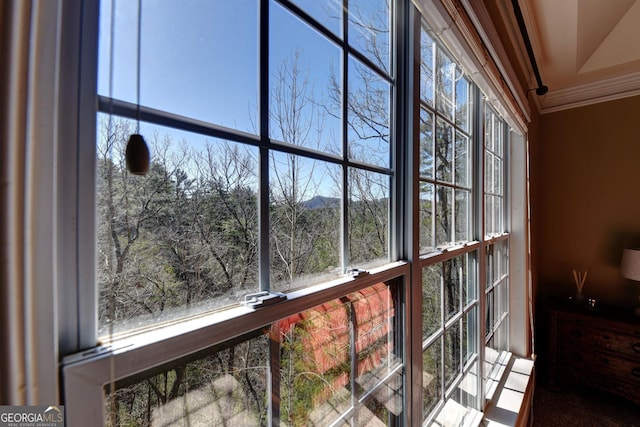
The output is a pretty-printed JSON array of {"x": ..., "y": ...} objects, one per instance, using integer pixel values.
[{"x": 591, "y": 93}]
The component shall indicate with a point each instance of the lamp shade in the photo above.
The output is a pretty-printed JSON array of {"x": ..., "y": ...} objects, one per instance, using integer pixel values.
[{"x": 630, "y": 266}]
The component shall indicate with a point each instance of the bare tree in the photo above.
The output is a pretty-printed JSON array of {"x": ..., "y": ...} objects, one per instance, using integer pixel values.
[
  {"x": 295, "y": 180},
  {"x": 226, "y": 220},
  {"x": 133, "y": 215}
]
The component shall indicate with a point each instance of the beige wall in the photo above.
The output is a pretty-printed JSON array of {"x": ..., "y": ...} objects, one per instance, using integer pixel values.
[{"x": 586, "y": 199}]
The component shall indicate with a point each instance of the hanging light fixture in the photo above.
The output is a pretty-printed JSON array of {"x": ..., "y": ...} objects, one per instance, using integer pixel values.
[{"x": 136, "y": 154}]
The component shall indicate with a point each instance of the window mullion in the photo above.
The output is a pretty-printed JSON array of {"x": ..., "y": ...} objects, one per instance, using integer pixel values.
[
  {"x": 443, "y": 343},
  {"x": 345, "y": 138},
  {"x": 263, "y": 167},
  {"x": 506, "y": 187},
  {"x": 80, "y": 331},
  {"x": 413, "y": 296},
  {"x": 479, "y": 144},
  {"x": 274, "y": 374},
  {"x": 353, "y": 334}
]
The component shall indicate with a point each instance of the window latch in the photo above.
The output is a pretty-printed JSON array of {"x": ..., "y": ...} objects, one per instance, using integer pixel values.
[
  {"x": 357, "y": 272},
  {"x": 263, "y": 299},
  {"x": 87, "y": 354}
]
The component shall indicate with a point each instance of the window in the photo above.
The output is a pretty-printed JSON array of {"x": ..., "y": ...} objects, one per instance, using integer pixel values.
[
  {"x": 459, "y": 232},
  {"x": 338, "y": 361},
  {"x": 494, "y": 174},
  {"x": 496, "y": 252},
  {"x": 445, "y": 148},
  {"x": 450, "y": 336},
  {"x": 271, "y": 153},
  {"x": 496, "y": 313},
  {"x": 272, "y": 163},
  {"x": 449, "y": 288},
  {"x": 262, "y": 272}
]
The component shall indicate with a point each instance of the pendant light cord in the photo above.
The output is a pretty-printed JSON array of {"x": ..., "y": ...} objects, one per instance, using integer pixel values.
[{"x": 139, "y": 62}]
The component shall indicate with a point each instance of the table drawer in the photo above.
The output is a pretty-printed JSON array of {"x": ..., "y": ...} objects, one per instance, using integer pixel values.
[
  {"x": 599, "y": 363},
  {"x": 577, "y": 333},
  {"x": 599, "y": 348},
  {"x": 575, "y": 375}
]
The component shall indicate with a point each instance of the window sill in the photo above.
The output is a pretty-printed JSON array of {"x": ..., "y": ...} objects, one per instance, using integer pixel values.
[
  {"x": 231, "y": 319},
  {"x": 511, "y": 403},
  {"x": 454, "y": 414}
]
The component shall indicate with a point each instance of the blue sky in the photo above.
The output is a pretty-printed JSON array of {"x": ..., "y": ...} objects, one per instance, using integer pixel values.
[
  {"x": 189, "y": 64},
  {"x": 199, "y": 58}
]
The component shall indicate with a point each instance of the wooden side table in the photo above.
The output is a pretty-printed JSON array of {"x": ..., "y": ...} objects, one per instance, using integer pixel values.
[{"x": 597, "y": 348}]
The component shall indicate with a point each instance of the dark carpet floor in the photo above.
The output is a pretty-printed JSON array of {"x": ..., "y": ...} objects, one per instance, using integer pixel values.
[{"x": 583, "y": 407}]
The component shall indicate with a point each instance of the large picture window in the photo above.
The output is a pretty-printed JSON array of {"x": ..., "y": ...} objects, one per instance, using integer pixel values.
[
  {"x": 315, "y": 242},
  {"x": 270, "y": 180},
  {"x": 276, "y": 181}
]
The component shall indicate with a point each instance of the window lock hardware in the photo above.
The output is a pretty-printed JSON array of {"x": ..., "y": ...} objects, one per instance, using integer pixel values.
[
  {"x": 357, "y": 272},
  {"x": 263, "y": 299},
  {"x": 87, "y": 354}
]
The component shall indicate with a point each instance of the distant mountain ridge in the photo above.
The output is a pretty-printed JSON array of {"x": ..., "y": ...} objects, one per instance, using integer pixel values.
[{"x": 321, "y": 202}]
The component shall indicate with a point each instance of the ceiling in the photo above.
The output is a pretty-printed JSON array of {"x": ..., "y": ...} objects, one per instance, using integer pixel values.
[{"x": 587, "y": 50}]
